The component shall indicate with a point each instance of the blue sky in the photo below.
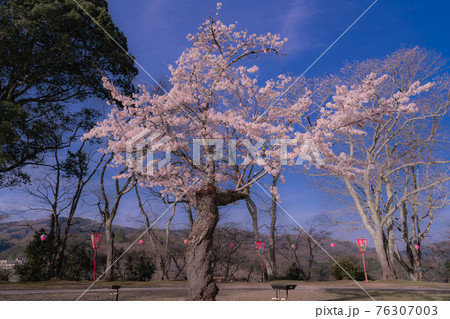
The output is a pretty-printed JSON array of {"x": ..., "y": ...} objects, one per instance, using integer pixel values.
[{"x": 156, "y": 32}]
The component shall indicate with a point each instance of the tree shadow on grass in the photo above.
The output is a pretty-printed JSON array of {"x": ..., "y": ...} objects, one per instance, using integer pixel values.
[{"x": 398, "y": 295}]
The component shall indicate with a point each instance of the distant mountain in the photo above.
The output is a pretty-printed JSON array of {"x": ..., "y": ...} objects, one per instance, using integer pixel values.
[
  {"x": 23, "y": 231},
  {"x": 15, "y": 236}
]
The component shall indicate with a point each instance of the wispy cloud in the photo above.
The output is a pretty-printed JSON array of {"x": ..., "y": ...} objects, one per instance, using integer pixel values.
[{"x": 295, "y": 19}]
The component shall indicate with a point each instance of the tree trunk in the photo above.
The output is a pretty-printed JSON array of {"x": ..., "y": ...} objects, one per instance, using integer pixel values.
[
  {"x": 268, "y": 270},
  {"x": 273, "y": 222},
  {"x": 165, "y": 257},
  {"x": 390, "y": 245},
  {"x": 250, "y": 273},
  {"x": 160, "y": 267},
  {"x": 190, "y": 216},
  {"x": 416, "y": 274},
  {"x": 415, "y": 260},
  {"x": 61, "y": 254},
  {"x": 253, "y": 211},
  {"x": 52, "y": 261},
  {"x": 227, "y": 268},
  {"x": 162, "y": 264},
  {"x": 380, "y": 247},
  {"x": 375, "y": 229},
  {"x": 109, "y": 236},
  {"x": 310, "y": 261},
  {"x": 199, "y": 247}
]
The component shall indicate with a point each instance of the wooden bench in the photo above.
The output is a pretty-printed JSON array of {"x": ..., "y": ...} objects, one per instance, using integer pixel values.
[
  {"x": 116, "y": 292},
  {"x": 279, "y": 287}
]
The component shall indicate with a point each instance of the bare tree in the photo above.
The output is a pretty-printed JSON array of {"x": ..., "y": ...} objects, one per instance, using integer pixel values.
[
  {"x": 109, "y": 212},
  {"x": 159, "y": 243},
  {"x": 60, "y": 192},
  {"x": 440, "y": 257},
  {"x": 228, "y": 240},
  {"x": 416, "y": 215},
  {"x": 253, "y": 211},
  {"x": 315, "y": 233}
]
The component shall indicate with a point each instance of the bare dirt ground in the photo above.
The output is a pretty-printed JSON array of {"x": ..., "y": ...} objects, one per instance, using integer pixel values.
[{"x": 176, "y": 290}]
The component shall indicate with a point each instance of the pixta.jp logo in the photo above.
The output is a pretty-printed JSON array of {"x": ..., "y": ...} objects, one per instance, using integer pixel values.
[
  {"x": 141, "y": 150},
  {"x": 144, "y": 145}
]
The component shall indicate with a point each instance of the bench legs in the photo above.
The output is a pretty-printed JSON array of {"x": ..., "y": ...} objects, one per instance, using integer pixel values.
[
  {"x": 115, "y": 293},
  {"x": 277, "y": 298}
]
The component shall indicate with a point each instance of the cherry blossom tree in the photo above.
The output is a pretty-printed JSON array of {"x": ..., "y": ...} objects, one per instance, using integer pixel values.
[
  {"x": 214, "y": 97},
  {"x": 395, "y": 122}
]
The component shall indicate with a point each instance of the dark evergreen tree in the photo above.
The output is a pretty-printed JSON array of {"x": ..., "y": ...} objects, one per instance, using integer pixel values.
[
  {"x": 350, "y": 269},
  {"x": 51, "y": 54},
  {"x": 78, "y": 263},
  {"x": 38, "y": 256},
  {"x": 138, "y": 267}
]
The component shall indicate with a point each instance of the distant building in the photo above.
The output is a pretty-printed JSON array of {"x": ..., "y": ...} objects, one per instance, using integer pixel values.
[{"x": 5, "y": 264}]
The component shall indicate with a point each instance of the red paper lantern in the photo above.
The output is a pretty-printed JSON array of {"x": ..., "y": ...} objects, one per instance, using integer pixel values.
[
  {"x": 231, "y": 245},
  {"x": 185, "y": 241},
  {"x": 333, "y": 244},
  {"x": 293, "y": 246},
  {"x": 141, "y": 241},
  {"x": 95, "y": 241},
  {"x": 43, "y": 237},
  {"x": 260, "y": 245},
  {"x": 362, "y": 244}
]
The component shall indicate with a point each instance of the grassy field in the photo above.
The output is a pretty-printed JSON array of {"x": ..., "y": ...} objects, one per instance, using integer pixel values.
[{"x": 176, "y": 290}]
